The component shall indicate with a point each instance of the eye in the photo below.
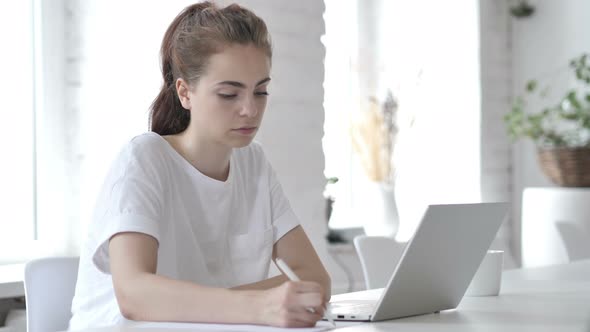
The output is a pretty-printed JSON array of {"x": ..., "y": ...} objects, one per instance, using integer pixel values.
[
  {"x": 227, "y": 96},
  {"x": 261, "y": 93}
]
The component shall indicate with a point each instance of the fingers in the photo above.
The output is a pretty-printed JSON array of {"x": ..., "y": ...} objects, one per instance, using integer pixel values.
[
  {"x": 306, "y": 318},
  {"x": 297, "y": 317},
  {"x": 311, "y": 287},
  {"x": 303, "y": 302},
  {"x": 309, "y": 300},
  {"x": 301, "y": 317},
  {"x": 304, "y": 295}
]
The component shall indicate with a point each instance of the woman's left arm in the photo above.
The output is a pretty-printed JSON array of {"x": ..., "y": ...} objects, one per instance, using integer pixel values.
[{"x": 298, "y": 252}]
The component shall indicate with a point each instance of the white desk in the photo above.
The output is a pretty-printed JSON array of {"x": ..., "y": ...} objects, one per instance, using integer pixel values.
[
  {"x": 532, "y": 306},
  {"x": 11, "y": 280},
  {"x": 552, "y": 299}
]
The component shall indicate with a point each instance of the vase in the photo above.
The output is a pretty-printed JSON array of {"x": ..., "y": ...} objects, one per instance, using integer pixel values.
[{"x": 379, "y": 210}]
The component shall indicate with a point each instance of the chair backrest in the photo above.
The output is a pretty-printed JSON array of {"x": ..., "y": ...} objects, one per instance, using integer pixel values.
[
  {"x": 49, "y": 289},
  {"x": 575, "y": 239},
  {"x": 379, "y": 256}
]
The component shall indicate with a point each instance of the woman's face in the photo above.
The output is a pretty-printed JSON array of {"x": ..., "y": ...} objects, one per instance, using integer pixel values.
[{"x": 228, "y": 101}]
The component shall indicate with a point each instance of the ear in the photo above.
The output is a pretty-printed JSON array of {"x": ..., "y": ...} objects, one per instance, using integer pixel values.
[{"x": 183, "y": 91}]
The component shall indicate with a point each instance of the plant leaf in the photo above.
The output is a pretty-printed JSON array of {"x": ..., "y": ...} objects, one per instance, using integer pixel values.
[
  {"x": 332, "y": 180},
  {"x": 531, "y": 85},
  {"x": 573, "y": 99}
]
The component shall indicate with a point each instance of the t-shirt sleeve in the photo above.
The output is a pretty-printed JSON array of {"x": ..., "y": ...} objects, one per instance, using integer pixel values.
[
  {"x": 130, "y": 201},
  {"x": 283, "y": 217}
]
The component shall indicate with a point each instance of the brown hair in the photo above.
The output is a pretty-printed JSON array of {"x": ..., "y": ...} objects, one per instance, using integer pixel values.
[{"x": 198, "y": 32}]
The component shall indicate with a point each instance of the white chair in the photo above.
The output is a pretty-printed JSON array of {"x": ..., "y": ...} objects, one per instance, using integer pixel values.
[
  {"x": 555, "y": 225},
  {"x": 49, "y": 290},
  {"x": 379, "y": 256}
]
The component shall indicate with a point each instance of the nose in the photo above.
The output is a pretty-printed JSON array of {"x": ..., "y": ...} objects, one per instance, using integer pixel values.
[{"x": 249, "y": 108}]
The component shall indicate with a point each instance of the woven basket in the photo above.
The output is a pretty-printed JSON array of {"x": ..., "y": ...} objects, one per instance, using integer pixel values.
[{"x": 568, "y": 167}]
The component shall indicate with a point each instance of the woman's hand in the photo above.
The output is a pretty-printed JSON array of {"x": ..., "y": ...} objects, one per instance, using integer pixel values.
[
  {"x": 296, "y": 250},
  {"x": 292, "y": 304}
]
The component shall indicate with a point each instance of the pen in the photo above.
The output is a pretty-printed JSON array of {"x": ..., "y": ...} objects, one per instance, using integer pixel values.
[{"x": 293, "y": 277}]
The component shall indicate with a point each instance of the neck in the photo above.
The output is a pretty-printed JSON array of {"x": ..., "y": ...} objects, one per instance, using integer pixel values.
[{"x": 209, "y": 158}]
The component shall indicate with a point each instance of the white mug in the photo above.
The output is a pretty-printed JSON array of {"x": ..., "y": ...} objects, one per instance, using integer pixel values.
[{"x": 487, "y": 279}]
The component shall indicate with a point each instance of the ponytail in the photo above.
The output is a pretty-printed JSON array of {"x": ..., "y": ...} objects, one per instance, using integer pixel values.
[{"x": 167, "y": 116}]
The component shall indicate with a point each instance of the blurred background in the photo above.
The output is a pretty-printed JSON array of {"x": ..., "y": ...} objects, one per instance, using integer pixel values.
[{"x": 377, "y": 109}]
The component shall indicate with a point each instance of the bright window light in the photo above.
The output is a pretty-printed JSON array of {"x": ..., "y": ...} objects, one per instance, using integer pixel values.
[
  {"x": 428, "y": 54},
  {"x": 17, "y": 138}
]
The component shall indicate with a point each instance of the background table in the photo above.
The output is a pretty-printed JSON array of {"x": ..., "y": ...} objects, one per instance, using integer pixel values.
[{"x": 11, "y": 280}]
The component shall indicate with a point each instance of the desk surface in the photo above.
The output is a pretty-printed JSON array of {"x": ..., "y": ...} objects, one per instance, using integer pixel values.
[
  {"x": 538, "y": 305},
  {"x": 11, "y": 280},
  {"x": 555, "y": 298}
]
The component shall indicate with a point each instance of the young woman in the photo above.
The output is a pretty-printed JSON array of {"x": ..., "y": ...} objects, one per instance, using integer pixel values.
[{"x": 191, "y": 214}]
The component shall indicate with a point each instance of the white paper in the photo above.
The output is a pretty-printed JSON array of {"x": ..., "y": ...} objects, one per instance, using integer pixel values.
[{"x": 163, "y": 326}]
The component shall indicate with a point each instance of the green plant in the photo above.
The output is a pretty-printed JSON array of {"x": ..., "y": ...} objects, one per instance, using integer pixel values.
[
  {"x": 332, "y": 180},
  {"x": 566, "y": 124},
  {"x": 522, "y": 9}
]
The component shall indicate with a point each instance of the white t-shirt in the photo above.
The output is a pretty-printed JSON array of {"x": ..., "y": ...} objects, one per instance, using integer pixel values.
[{"x": 213, "y": 233}]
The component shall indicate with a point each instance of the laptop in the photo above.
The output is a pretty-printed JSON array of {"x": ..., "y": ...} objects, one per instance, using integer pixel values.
[{"x": 436, "y": 266}]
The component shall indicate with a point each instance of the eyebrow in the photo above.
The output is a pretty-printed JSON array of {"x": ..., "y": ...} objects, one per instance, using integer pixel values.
[{"x": 242, "y": 85}]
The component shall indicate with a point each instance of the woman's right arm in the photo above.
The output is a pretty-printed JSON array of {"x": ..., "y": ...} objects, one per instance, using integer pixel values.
[{"x": 143, "y": 295}]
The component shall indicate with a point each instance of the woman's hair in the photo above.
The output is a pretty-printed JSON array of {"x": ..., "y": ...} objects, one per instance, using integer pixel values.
[{"x": 198, "y": 32}]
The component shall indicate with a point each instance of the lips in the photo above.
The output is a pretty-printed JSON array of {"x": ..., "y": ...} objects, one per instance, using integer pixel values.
[{"x": 245, "y": 130}]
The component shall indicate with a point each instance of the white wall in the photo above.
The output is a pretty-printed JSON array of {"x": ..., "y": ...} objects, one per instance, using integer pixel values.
[
  {"x": 496, "y": 82},
  {"x": 542, "y": 44}
]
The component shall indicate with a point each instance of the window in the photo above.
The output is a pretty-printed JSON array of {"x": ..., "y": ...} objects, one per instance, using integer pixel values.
[
  {"x": 17, "y": 137},
  {"x": 427, "y": 54},
  {"x": 32, "y": 171}
]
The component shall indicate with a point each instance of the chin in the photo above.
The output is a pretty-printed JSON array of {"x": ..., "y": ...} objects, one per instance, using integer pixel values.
[{"x": 240, "y": 143}]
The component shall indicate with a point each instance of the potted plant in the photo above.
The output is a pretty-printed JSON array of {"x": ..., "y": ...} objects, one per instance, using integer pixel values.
[{"x": 560, "y": 132}]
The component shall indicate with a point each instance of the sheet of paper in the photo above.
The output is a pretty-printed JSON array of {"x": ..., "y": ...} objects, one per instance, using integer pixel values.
[{"x": 166, "y": 326}]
